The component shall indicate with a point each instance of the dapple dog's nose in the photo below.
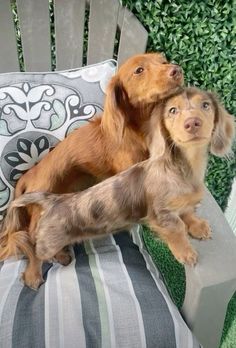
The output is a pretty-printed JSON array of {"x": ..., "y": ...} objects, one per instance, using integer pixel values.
[
  {"x": 192, "y": 124},
  {"x": 176, "y": 71}
]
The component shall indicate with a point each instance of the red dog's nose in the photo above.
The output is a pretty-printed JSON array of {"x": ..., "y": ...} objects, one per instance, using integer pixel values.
[
  {"x": 176, "y": 72},
  {"x": 192, "y": 124}
]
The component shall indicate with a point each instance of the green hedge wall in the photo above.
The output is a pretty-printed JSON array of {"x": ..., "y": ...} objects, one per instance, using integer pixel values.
[{"x": 200, "y": 36}]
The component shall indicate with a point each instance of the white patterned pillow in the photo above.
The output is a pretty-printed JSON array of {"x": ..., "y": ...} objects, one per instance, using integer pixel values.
[{"x": 39, "y": 109}]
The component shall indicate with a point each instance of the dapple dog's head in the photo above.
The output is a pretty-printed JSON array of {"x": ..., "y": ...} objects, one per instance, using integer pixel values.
[{"x": 192, "y": 118}]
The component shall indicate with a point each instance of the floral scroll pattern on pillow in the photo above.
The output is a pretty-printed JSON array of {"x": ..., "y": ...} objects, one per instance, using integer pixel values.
[{"x": 39, "y": 109}]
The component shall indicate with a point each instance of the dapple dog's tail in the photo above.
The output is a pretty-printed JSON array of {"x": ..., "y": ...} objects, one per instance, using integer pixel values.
[{"x": 14, "y": 237}]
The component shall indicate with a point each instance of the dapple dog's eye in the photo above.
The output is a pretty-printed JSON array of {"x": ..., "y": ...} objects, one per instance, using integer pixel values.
[
  {"x": 205, "y": 105},
  {"x": 173, "y": 111},
  {"x": 139, "y": 70}
]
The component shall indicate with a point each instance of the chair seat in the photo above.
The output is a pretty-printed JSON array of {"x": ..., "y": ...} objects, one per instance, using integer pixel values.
[{"x": 111, "y": 295}]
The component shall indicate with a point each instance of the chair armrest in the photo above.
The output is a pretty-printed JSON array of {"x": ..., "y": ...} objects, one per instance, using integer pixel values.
[{"x": 212, "y": 282}]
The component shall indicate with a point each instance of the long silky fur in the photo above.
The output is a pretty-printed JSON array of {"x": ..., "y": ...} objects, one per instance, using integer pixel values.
[{"x": 13, "y": 240}]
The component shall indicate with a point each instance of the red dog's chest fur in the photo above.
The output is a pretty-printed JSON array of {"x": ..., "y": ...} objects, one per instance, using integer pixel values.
[{"x": 95, "y": 159}]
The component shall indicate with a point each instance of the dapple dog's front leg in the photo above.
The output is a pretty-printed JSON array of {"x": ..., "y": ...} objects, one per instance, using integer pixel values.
[{"x": 173, "y": 231}]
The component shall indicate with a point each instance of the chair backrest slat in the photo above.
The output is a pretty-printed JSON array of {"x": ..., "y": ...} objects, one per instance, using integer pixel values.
[
  {"x": 109, "y": 24},
  {"x": 8, "y": 52},
  {"x": 102, "y": 29},
  {"x": 69, "y": 33},
  {"x": 35, "y": 34},
  {"x": 133, "y": 37}
]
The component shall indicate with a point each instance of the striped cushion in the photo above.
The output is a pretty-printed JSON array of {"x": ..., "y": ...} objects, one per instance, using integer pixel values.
[{"x": 111, "y": 295}]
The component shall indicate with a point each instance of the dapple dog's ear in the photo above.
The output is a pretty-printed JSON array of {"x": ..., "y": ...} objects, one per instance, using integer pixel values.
[
  {"x": 157, "y": 140},
  {"x": 116, "y": 109},
  {"x": 223, "y": 133}
]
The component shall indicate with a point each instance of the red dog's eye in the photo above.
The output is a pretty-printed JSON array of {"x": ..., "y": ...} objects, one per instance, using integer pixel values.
[
  {"x": 139, "y": 70},
  {"x": 173, "y": 111}
]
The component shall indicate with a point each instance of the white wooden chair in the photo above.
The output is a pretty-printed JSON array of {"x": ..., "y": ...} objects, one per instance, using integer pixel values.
[{"x": 210, "y": 285}]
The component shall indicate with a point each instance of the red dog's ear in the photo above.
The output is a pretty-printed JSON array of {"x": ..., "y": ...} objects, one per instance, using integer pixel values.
[
  {"x": 223, "y": 133},
  {"x": 116, "y": 109}
]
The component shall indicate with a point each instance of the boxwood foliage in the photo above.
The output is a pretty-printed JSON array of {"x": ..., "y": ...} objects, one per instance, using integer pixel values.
[{"x": 200, "y": 36}]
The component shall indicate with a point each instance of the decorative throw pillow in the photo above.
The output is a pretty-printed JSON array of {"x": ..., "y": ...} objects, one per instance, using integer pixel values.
[{"x": 37, "y": 110}]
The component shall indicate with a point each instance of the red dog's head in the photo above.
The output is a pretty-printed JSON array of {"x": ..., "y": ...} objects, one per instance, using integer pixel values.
[
  {"x": 140, "y": 82},
  {"x": 147, "y": 78}
]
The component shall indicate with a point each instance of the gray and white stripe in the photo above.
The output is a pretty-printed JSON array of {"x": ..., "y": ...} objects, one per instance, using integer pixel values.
[
  {"x": 184, "y": 337},
  {"x": 128, "y": 325},
  {"x": 110, "y": 296},
  {"x": 62, "y": 293},
  {"x": 89, "y": 297},
  {"x": 158, "y": 322},
  {"x": 10, "y": 288}
]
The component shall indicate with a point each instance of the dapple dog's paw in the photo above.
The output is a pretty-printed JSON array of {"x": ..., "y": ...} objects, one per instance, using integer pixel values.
[
  {"x": 64, "y": 256},
  {"x": 200, "y": 229},
  {"x": 187, "y": 256}
]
